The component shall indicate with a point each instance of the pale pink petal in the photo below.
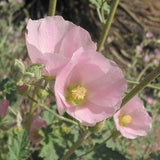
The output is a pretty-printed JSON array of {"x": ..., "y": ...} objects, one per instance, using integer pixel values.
[
  {"x": 98, "y": 84},
  {"x": 74, "y": 39},
  {"x": 88, "y": 70},
  {"x": 35, "y": 55},
  {"x": 125, "y": 133},
  {"x": 149, "y": 34},
  {"x": 54, "y": 63},
  {"x": 46, "y": 33},
  {"x": 89, "y": 114},
  {"x": 60, "y": 104},
  {"x": 140, "y": 120},
  {"x": 52, "y": 41}
]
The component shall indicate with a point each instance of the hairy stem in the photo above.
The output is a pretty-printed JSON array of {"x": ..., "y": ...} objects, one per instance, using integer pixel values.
[
  {"x": 107, "y": 25},
  {"x": 76, "y": 145},
  {"x": 143, "y": 71},
  {"x": 151, "y": 76},
  {"x": 52, "y": 7},
  {"x": 57, "y": 115},
  {"x": 148, "y": 85},
  {"x": 31, "y": 112},
  {"x": 114, "y": 133}
]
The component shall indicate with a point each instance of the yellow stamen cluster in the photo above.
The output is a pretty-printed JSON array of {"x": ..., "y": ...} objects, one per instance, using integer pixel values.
[
  {"x": 124, "y": 120},
  {"x": 76, "y": 94}
]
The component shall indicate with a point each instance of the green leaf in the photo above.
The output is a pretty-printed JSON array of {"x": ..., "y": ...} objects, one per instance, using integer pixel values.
[
  {"x": 48, "y": 152},
  {"x": 19, "y": 65},
  {"x": 36, "y": 70},
  {"x": 106, "y": 7},
  {"x": 154, "y": 156},
  {"x": 158, "y": 79},
  {"x": 48, "y": 117},
  {"x": 94, "y": 2},
  {"x": 19, "y": 148},
  {"x": 9, "y": 87},
  {"x": 27, "y": 77},
  {"x": 2, "y": 83},
  {"x": 107, "y": 153}
]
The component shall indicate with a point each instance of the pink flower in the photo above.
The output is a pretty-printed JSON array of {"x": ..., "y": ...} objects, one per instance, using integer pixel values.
[
  {"x": 147, "y": 58},
  {"x": 89, "y": 88},
  {"x": 4, "y": 107},
  {"x": 22, "y": 88},
  {"x": 52, "y": 41},
  {"x": 139, "y": 48},
  {"x": 158, "y": 40},
  {"x": 37, "y": 124},
  {"x": 157, "y": 53},
  {"x": 133, "y": 120},
  {"x": 149, "y": 100},
  {"x": 149, "y": 34}
]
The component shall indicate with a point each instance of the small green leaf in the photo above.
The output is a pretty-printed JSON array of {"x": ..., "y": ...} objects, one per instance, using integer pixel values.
[
  {"x": 27, "y": 77},
  {"x": 106, "y": 7},
  {"x": 48, "y": 152},
  {"x": 19, "y": 148},
  {"x": 36, "y": 70},
  {"x": 9, "y": 87},
  {"x": 19, "y": 65},
  {"x": 94, "y": 2}
]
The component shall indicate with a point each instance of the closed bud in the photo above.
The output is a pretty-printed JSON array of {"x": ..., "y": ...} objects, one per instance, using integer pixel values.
[
  {"x": 3, "y": 107},
  {"x": 35, "y": 69},
  {"x": 18, "y": 70},
  {"x": 19, "y": 65},
  {"x": 23, "y": 89},
  {"x": 17, "y": 129},
  {"x": 98, "y": 127},
  {"x": 65, "y": 129},
  {"x": 41, "y": 93},
  {"x": 27, "y": 77}
]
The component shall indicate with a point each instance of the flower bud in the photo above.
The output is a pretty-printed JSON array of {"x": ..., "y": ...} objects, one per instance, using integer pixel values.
[
  {"x": 4, "y": 107},
  {"x": 65, "y": 129},
  {"x": 98, "y": 127},
  {"x": 17, "y": 129},
  {"x": 41, "y": 93},
  {"x": 35, "y": 69},
  {"x": 19, "y": 65},
  {"x": 23, "y": 89}
]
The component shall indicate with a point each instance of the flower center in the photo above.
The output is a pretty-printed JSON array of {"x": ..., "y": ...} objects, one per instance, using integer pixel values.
[
  {"x": 124, "y": 120},
  {"x": 76, "y": 94}
]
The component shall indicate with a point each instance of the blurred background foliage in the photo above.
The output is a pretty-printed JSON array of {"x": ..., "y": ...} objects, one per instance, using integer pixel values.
[{"x": 133, "y": 42}]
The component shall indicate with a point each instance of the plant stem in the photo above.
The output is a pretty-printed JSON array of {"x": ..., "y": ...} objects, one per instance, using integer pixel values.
[
  {"x": 52, "y": 7},
  {"x": 76, "y": 145},
  {"x": 99, "y": 145},
  {"x": 52, "y": 112},
  {"x": 148, "y": 85},
  {"x": 107, "y": 25},
  {"x": 57, "y": 115},
  {"x": 99, "y": 15},
  {"x": 31, "y": 112},
  {"x": 143, "y": 71},
  {"x": 151, "y": 76},
  {"x": 12, "y": 111}
]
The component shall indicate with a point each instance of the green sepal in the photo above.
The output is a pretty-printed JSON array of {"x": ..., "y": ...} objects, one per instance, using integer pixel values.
[{"x": 35, "y": 69}]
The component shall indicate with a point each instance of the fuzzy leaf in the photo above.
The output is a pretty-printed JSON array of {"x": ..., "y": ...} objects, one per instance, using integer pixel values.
[
  {"x": 18, "y": 150},
  {"x": 48, "y": 152},
  {"x": 36, "y": 70}
]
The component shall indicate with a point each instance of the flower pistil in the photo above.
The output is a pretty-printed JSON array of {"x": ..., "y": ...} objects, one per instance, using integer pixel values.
[
  {"x": 124, "y": 120},
  {"x": 76, "y": 94}
]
